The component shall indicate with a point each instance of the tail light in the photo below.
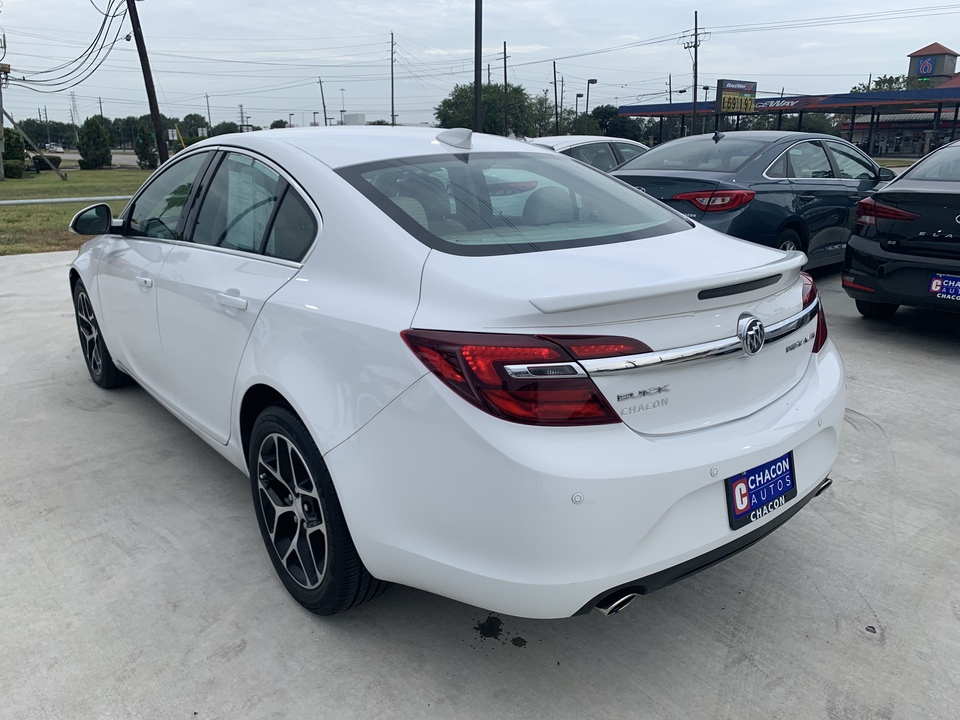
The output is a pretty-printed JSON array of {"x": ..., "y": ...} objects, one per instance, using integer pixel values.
[
  {"x": 528, "y": 379},
  {"x": 809, "y": 297},
  {"x": 869, "y": 210},
  {"x": 717, "y": 200}
]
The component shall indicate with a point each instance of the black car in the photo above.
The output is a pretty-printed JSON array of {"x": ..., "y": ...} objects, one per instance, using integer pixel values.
[
  {"x": 906, "y": 245},
  {"x": 790, "y": 190}
]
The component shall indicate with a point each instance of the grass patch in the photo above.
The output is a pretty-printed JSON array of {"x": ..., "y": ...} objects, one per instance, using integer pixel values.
[
  {"x": 895, "y": 162},
  {"x": 44, "y": 228}
]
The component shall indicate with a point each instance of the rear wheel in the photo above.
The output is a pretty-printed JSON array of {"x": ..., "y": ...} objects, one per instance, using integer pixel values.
[
  {"x": 789, "y": 240},
  {"x": 876, "y": 310},
  {"x": 300, "y": 518},
  {"x": 99, "y": 363}
]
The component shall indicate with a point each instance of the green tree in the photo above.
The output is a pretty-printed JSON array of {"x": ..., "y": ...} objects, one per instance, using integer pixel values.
[
  {"x": 191, "y": 124},
  {"x": 378, "y": 122},
  {"x": 146, "y": 147},
  {"x": 278, "y": 124},
  {"x": 888, "y": 83},
  {"x": 14, "y": 147},
  {"x": 542, "y": 115},
  {"x": 225, "y": 128},
  {"x": 94, "y": 144},
  {"x": 457, "y": 109}
]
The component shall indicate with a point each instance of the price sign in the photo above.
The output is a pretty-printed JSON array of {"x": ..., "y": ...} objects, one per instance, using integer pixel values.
[{"x": 736, "y": 96}]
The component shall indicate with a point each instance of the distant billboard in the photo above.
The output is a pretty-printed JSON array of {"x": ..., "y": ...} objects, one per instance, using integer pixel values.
[{"x": 736, "y": 96}]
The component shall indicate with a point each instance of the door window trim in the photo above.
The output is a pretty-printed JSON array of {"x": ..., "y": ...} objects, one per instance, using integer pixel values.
[{"x": 816, "y": 141}]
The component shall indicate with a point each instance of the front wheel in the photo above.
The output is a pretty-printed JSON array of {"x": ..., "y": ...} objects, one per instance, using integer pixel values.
[
  {"x": 876, "y": 310},
  {"x": 300, "y": 518},
  {"x": 95, "y": 354}
]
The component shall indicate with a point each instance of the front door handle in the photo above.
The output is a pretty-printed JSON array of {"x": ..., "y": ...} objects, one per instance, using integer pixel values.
[
  {"x": 232, "y": 301},
  {"x": 144, "y": 282},
  {"x": 807, "y": 198}
]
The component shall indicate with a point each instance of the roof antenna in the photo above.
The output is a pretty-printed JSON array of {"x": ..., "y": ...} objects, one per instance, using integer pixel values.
[
  {"x": 457, "y": 137},
  {"x": 718, "y": 136}
]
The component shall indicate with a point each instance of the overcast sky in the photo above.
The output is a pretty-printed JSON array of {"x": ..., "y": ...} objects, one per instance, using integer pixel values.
[{"x": 268, "y": 56}]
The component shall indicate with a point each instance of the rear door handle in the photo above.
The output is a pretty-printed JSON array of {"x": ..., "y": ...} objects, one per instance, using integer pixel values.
[
  {"x": 232, "y": 301},
  {"x": 144, "y": 281},
  {"x": 807, "y": 198}
]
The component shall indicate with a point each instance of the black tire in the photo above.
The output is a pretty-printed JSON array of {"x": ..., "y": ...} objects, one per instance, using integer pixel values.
[
  {"x": 95, "y": 354},
  {"x": 300, "y": 518},
  {"x": 876, "y": 310},
  {"x": 789, "y": 239}
]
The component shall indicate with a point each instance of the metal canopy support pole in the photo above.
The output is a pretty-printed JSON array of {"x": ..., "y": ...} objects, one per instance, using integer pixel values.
[
  {"x": 800, "y": 121},
  {"x": 738, "y": 121},
  {"x": 853, "y": 122},
  {"x": 779, "y": 119},
  {"x": 936, "y": 121},
  {"x": 953, "y": 128},
  {"x": 683, "y": 126},
  {"x": 660, "y": 136},
  {"x": 873, "y": 112}
]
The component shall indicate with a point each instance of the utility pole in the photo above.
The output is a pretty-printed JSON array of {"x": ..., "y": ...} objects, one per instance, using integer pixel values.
[
  {"x": 670, "y": 88},
  {"x": 323, "y": 102},
  {"x": 241, "y": 117},
  {"x": 209, "y": 117},
  {"x": 477, "y": 65},
  {"x": 506, "y": 96},
  {"x": 148, "y": 82},
  {"x": 488, "y": 73},
  {"x": 4, "y": 72},
  {"x": 100, "y": 100},
  {"x": 694, "y": 42},
  {"x": 393, "y": 110},
  {"x": 556, "y": 107}
]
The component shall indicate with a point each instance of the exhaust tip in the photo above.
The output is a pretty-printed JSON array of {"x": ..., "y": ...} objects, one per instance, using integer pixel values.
[
  {"x": 827, "y": 482},
  {"x": 615, "y": 602}
]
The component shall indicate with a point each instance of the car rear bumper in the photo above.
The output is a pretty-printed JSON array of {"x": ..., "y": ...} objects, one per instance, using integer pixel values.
[
  {"x": 541, "y": 522},
  {"x": 873, "y": 274}
]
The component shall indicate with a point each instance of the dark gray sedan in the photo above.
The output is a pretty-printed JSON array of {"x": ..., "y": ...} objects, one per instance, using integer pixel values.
[{"x": 790, "y": 190}]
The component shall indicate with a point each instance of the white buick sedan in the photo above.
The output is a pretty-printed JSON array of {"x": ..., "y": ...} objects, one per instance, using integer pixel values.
[{"x": 464, "y": 363}]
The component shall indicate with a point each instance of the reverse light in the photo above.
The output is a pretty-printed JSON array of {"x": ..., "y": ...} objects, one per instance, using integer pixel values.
[
  {"x": 523, "y": 378},
  {"x": 717, "y": 200},
  {"x": 869, "y": 210},
  {"x": 809, "y": 297}
]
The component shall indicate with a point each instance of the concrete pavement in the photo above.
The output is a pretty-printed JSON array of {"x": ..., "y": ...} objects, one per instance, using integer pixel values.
[{"x": 134, "y": 583}]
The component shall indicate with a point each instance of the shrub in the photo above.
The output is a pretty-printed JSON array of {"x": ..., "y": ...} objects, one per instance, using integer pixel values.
[
  {"x": 13, "y": 168},
  {"x": 13, "y": 146},
  {"x": 40, "y": 164},
  {"x": 87, "y": 164},
  {"x": 145, "y": 147}
]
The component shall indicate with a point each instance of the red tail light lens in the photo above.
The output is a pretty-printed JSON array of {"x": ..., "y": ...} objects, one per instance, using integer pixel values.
[
  {"x": 809, "y": 296},
  {"x": 717, "y": 200},
  {"x": 869, "y": 210},
  {"x": 523, "y": 378}
]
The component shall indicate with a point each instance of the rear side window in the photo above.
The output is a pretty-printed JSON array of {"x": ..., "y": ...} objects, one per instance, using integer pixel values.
[
  {"x": 808, "y": 160},
  {"x": 628, "y": 151},
  {"x": 239, "y": 204},
  {"x": 293, "y": 231},
  {"x": 728, "y": 155},
  {"x": 944, "y": 164},
  {"x": 499, "y": 203},
  {"x": 599, "y": 155}
]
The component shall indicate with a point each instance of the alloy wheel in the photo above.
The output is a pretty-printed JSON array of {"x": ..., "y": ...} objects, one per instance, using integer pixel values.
[
  {"x": 292, "y": 511},
  {"x": 89, "y": 334}
]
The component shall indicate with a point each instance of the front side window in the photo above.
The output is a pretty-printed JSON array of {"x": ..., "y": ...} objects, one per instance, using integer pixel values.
[
  {"x": 499, "y": 203},
  {"x": 629, "y": 151},
  {"x": 851, "y": 163},
  {"x": 808, "y": 160},
  {"x": 157, "y": 211},
  {"x": 239, "y": 204}
]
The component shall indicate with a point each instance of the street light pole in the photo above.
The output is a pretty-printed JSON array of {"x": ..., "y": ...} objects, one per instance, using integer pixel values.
[
  {"x": 576, "y": 105},
  {"x": 586, "y": 106},
  {"x": 290, "y": 121},
  {"x": 148, "y": 81},
  {"x": 342, "y": 106},
  {"x": 315, "y": 118}
]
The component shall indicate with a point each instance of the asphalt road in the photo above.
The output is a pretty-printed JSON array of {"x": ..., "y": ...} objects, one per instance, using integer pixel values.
[{"x": 134, "y": 584}]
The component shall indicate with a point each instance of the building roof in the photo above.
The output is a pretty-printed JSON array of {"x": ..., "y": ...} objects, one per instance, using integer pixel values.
[
  {"x": 953, "y": 82},
  {"x": 934, "y": 49}
]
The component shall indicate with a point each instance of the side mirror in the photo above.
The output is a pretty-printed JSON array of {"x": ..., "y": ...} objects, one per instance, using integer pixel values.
[
  {"x": 94, "y": 220},
  {"x": 887, "y": 174}
]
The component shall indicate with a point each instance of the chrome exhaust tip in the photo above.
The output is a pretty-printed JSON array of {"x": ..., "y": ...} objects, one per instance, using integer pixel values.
[
  {"x": 615, "y": 602},
  {"x": 827, "y": 482}
]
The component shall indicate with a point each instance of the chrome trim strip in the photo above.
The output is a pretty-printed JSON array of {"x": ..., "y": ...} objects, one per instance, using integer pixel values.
[
  {"x": 692, "y": 353},
  {"x": 528, "y": 372}
]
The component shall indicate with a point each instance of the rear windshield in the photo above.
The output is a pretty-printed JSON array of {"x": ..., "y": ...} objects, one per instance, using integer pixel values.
[
  {"x": 728, "y": 155},
  {"x": 499, "y": 203},
  {"x": 941, "y": 165}
]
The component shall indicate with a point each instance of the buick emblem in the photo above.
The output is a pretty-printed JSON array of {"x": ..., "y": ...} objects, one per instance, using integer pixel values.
[{"x": 751, "y": 333}]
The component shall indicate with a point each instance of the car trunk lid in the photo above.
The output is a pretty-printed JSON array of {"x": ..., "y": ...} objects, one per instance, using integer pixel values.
[{"x": 935, "y": 232}]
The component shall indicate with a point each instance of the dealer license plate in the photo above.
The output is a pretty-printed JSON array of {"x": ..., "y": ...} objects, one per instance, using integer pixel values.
[
  {"x": 759, "y": 491},
  {"x": 945, "y": 287}
]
